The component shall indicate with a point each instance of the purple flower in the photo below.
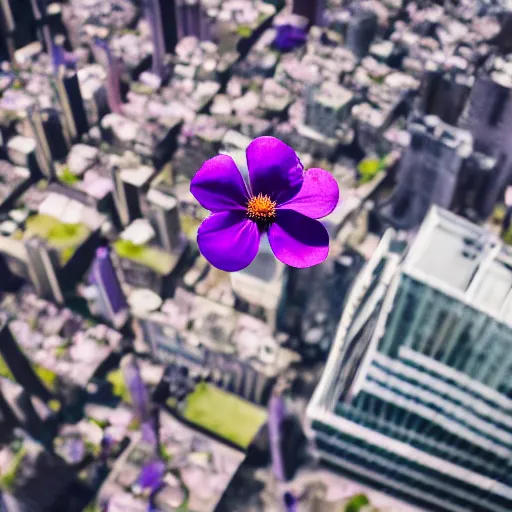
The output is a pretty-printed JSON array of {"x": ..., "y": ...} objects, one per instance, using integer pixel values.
[
  {"x": 151, "y": 477},
  {"x": 282, "y": 200},
  {"x": 290, "y": 502},
  {"x": 136, "y": 388},
  {"x": 276, "y": 415},
  {"x": 289, "y": 37},
  {"x": 75, "y": 449}
]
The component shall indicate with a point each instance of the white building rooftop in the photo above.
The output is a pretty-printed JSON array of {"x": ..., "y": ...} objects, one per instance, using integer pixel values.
[{"x": 465, "y": 261}]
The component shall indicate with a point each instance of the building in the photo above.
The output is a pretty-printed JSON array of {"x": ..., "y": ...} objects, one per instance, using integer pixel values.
[
  {"x": 164, "y": 217},
  {"x": 109, "y": 298},
  {"x": 18, "y": 364},
  {"x": 113, "y": 85},
  {"x": 43, "y": 150},
  {"x": 44, "y": 267},
  {"x": 155, "y": 21},
  {"x": 263, "y": 285},
  {"x": 417, "y": 391},
  {"x": 128, "y": 187},
  {"x": 42, "y": 481},
  {"x": 429, "y": 171},
  {"x": 361, "y": 30},
  {"x": 313, "y": 10},
  {"x": 488, "y": 116},
  {"x": 72, "y": 104},
  {"x": 17, "y": 19},
  {"x": 192, "y": 20},
  {"x": 444, "y": 94},
  {"x": 8, "y": 27},
  {"x": 327, "y": 106}
]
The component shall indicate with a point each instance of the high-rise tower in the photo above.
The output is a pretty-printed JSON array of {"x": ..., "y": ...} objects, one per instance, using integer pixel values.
[
  {"x": 313, "y": 10},
  {"x": 115, "y": 102},
  {"x": 488, "y": 116},
  {"x": 111, "y": 301},
  {"x": 165, "y": 219},
  {"x": 44, "y": 266},
  {"x": 18, "y": 364},
  {"x": 417, "y": 391},
  {"x": 361, "y": 30},
  {"x": 153, "y": 15},
  {"x": 429, "y": 170}
]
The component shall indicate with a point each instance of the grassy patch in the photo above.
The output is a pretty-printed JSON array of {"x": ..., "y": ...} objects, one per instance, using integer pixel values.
[
  {"x": 4, "y": 370},
  {"x": 54, "y": 405},
  {"x": 156, "y": 259},
  {"x": 115, "y": 377},
  {"x": 356, "y": 503},
  {"x": 61, "y": 351},
  {"x": 67, "y": 177},
  {"x": 92, "y": 507},
  {"x": 8, "y": 479},
  {"x": 369, "y": 168},
  {"x": 48, "y": 377},
  {"x": 224, "y": 414},
  {"x": 507, "y": 237},
  {"x": 139, "y": 88},
  {"x": 101, "y": 423},
  {"x": 244, "y": 31},
  {"x": 498, "y": 214},
  {"x": 66, "y": 238}
]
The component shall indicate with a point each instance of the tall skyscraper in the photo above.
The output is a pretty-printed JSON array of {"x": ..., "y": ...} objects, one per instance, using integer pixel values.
[
  {"x": 44, "y": 266},
  {"x": 192, "y": 20},
  {"x": 444, "y": 94},
  {"x": 111, "y": 301},
  {"x": 153, "y": 15},
  {"x": 417, "y": 391},
  {"x": 168, "y": 14},
  {"x": 129, "y": 184},
  {"x": 276, "y": 415},
  {"x": 39, "y": 11},
  {"x": 43, "y": 151},
  {"x": 488, "y": 116},
  {"x": 72, "y": 104},
  {"x": 113, "y": 85},
  {"x": 361, "y": 30},
  {"x": 429, "y": 170},
  {"x": 18, "y": 364},
  {"x": 313, "y": 10},
  {"x": 327, "y": 105},
  {"x": 8, "y": 27},
  {"x": 165, "y": 219}
]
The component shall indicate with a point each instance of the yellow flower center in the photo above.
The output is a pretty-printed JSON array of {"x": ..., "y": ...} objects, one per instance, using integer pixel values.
[{"x": 261, "y": 208}]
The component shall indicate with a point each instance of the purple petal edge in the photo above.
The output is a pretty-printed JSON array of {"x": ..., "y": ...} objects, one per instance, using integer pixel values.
[
  {"x": 228, "y": 240},
  {"x": 218, "y": 186},
  {"x": 274, "y": 169},
  {"x": 297, "y": 240},
  {"x": 318, "y": 196}
]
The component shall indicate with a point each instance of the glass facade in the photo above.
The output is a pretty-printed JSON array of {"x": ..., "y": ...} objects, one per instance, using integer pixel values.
[{"x": 419, "y": 401}]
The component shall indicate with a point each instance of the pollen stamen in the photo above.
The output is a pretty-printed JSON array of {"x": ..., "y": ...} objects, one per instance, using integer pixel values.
[{"x": 261, "y": 208}]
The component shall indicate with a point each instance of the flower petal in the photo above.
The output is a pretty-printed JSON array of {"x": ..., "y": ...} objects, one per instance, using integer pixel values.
[
  {"x": 318, "y": 196},
  {"x": 228, "y": 240},
  {"x": 297, "y": 240},
  {"x": 274, "y": 169},
  {"x": 218, "y": 185}
]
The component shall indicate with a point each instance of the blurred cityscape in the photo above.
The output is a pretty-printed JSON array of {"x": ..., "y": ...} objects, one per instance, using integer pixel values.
[{"x": 135, "y": 377}]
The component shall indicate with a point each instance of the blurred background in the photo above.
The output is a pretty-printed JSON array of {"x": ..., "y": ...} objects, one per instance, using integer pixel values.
[{"x": 135, "y": 377}]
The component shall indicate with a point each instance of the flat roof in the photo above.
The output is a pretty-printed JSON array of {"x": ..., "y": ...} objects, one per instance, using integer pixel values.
[{"x": 465, "y": 261}]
